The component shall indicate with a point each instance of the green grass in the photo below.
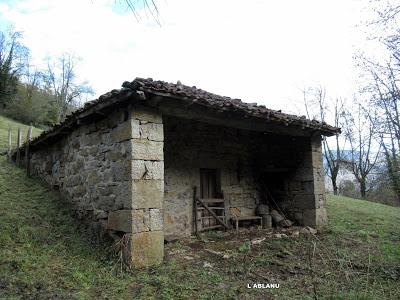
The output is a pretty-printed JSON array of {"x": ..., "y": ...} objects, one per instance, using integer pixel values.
[
  {"x": 5, "y": 124},
  {"x": 44, "y": 254}
]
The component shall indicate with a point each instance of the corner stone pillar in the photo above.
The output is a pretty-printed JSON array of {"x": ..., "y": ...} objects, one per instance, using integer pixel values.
[
  {"x": 142, "y": 217},
  {"x": 317, "y": 216},
  {"x": 307, "y": 186},
  {"x": 147, "y": 239}
]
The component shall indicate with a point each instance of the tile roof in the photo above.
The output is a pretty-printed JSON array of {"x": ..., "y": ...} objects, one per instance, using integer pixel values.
[{"x": 189, "y": 94}]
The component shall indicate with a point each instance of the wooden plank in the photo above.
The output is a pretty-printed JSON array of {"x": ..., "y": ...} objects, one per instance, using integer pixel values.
[{"x": 212, "y": 213}]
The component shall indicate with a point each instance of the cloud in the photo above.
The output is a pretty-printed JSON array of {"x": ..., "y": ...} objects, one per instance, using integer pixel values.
[{"x": 256, "y": 50}]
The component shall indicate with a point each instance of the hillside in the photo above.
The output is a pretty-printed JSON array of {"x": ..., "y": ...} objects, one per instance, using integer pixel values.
[
  {"x": 5, "y": 124},
  {"x": 44, "y": 254}
]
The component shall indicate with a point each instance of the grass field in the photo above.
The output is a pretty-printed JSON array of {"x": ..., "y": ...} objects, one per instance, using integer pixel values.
[
  {"x": 44, "y": 254},
  {"x": 5, "y": 124}
]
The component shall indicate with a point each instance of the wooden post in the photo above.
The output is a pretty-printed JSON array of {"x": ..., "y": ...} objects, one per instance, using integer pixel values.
[
  {"x": 195, "y": 210},
  {"x": 18, "y": 160},
  {"x": 27, "y": 157},
  {"x": 9, "y": 148}
]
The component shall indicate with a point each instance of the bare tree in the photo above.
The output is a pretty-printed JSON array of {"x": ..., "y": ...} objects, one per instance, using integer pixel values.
[
  {"x": 12, "y": 63},
  {"x": 333, "y": 150},
  {"x": 381, "y": 74},
  {"x": 61, "y": 80},
  {"x": 360, "y": 130},
  {"x": 386, "y": 99}
]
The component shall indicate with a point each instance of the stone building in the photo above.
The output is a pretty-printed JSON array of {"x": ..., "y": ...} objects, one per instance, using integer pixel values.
[{"x": 128, "y": 162}]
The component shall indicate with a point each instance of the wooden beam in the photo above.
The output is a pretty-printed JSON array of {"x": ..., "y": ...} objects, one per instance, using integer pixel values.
[{"x": 233, "y": 119}]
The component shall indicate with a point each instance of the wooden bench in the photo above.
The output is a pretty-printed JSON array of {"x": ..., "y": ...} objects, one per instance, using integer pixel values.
[{"x": 245, "y": 218}]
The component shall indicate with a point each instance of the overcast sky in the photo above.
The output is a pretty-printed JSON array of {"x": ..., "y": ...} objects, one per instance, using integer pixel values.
[{"x": 259, "y": 51}]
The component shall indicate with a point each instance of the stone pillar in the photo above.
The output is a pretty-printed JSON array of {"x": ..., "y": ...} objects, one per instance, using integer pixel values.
[
  {"x": 306, "y": 187},
  {"x": 316, "y": 215},
  {"x": 142, "y": 219}
]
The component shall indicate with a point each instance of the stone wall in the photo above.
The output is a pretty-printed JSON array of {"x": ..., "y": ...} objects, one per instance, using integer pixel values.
[
  {"x": 190, "y": 146},
  {"x": 112, "y": 171},
  {"x": 290, "y": 167},
  {"x": 86, "y": 166},
  {"x": 113, "y": 174}
]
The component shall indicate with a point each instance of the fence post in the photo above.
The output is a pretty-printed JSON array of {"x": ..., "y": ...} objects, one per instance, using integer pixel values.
[
  {"x": 18, "y": 160},
  {"x": 27, "y": 157},
  {"x": 9, "y": 147}
]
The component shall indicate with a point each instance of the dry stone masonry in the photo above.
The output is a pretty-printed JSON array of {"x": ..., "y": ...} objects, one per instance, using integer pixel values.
[{"x": 112, "y": 171}]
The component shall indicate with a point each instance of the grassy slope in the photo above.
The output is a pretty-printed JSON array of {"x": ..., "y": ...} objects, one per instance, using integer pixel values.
[
  {"x": 5, "y": 124},
  {"x": 44, "y": 255}
]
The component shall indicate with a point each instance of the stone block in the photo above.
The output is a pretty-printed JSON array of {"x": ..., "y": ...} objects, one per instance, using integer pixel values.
[
  {"x": 315, "y": 217},
  {"x": 319, "y": 187},
  {"x": 123, "y": 194},
  {"x": 93, "y": 178},
  {"x": 152, "y": 132},
  {"x": 140, "y": 220},
  {"x": 121, "y": 170},
  {"x": 100, "y": 214},
  {"x": 147, "y": 248},
  {"x": 148, "y": 114},
  {"x": 317, "y": 160},
  {"x": 321, "y": 216},
  {"x": 106, "y": 139},
  {"x": 105, "y": 202},
  {"x": 147, "y": 193},
  {"x": 79, "y": 191},
  {"x": 156, "y": 219},
  {"x": 73, "y": 180},
  {"x": 120, "y": 151},
  {"x": 125, "y": 131},
  {"x": 309, "y": 217},
  {"x": 147, "y": 150},
  {"x": 120, "y": 220},
  {"x": 142, "y": 169},
  {"x": 104, "y": 190}
]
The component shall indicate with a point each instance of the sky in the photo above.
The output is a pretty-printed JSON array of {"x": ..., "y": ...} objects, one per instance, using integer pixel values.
[{"x": 258, "y": 51}]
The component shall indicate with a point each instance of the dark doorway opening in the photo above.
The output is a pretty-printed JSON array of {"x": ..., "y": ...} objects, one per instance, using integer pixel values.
[{"x": 210, "y": 184}]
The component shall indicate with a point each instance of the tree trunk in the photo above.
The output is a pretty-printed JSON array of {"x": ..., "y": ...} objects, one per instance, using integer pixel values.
[
  {"x": 334, "y": 185},
  {"x": 363, "y": 188}
]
